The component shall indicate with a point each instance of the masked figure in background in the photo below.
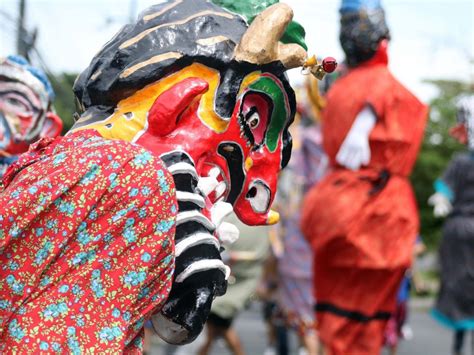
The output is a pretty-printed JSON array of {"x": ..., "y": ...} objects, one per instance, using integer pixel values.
[
  {"x": 185, "y": 114},
  {"x": 307, "y": 166},
  {"x": 362, "y": 218},
  {"x": 454, "y": 198},
  {"x": 26, "y": 112}
]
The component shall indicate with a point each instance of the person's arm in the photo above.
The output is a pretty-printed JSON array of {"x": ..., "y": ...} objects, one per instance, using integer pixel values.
[
  {"x": 355, "y": 149},
  {"x": 200, "y": 274}
]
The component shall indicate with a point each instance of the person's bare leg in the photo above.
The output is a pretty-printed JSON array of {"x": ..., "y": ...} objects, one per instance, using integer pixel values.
[
  {"x": 271, "y": 334},
  {"x": 233, "y": 341},
  {"x": 212, "y": 333},
  {"x": 147, "y": 340},
  {"x": 322, "y": 348},
  {"x": 393, "y": 350},
  {"x": 311, "y": 343}
]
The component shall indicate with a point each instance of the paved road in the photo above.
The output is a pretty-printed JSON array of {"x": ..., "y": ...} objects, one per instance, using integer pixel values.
[{"x": 429, "y": 337}]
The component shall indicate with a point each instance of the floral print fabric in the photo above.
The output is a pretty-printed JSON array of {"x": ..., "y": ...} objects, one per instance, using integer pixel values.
[{"x": 86, "y": 246}]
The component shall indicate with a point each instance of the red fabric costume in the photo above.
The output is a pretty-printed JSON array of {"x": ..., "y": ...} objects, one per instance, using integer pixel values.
[
  {"x": 362, "y": 224},
  {"x": 86, "y": 247}
]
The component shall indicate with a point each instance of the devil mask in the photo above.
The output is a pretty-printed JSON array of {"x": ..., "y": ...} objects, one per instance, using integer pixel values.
[
  {"x": 25, "y": 106},
  {"x": 464, "y": 130},
  {"x": 191, "y": 76}
]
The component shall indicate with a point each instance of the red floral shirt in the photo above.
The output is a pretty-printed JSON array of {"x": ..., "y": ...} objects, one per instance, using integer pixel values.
[{"x": 86, "y": 245}]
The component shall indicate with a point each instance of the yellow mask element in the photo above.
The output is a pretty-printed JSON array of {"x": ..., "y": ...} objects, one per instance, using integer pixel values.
[{"x": 130, "y": 116}]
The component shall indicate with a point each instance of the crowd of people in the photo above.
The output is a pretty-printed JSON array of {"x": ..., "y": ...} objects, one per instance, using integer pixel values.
[{"x": 129, "y": 223}]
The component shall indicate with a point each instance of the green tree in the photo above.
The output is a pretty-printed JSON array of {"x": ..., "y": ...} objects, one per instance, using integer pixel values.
[
  {"x": 64, "y": 103},
  {"x": 436, "y": 152}
]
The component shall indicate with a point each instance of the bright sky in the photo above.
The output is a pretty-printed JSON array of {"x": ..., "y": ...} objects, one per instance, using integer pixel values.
[{"x": 431, "y": 39}]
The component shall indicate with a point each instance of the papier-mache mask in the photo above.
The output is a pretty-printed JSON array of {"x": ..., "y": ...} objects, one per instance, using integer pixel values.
[
  {"x": 363, "y": 27},
  {"x": 192, "y": 76},
  {"x": 25, "y": 106},
  {"x": 464, "y": 130}
]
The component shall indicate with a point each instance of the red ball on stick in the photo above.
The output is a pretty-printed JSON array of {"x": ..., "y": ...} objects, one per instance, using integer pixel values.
[{"x": 329, "y": 64}]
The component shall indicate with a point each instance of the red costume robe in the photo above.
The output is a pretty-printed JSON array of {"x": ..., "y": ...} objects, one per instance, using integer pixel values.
[{"x": 362, "y": 224}]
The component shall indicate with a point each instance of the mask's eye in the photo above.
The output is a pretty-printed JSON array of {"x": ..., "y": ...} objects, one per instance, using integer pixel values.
[
  {"x": 16, "y": 103},
  {"x": 254, "y": 117},
  {"x": 254, "y": 120}
]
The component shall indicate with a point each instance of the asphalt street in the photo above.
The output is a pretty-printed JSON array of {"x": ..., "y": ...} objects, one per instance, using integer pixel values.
[{"x": 429, "y": 338}]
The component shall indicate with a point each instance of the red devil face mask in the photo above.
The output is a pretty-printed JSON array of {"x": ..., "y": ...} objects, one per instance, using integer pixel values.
[
  {"x": 191, "y": 76},
  {"x": 244, "y": 152}
]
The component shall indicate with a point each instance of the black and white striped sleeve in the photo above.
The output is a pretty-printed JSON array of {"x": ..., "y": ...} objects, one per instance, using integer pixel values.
[{"x": 200, "y": 274}]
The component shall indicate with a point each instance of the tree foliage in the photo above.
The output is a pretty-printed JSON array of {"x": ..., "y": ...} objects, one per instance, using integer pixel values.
[{"x": 64, "y": 102}]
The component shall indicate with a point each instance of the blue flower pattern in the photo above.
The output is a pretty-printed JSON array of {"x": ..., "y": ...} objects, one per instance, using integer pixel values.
[{"x": 99, "y": 236}]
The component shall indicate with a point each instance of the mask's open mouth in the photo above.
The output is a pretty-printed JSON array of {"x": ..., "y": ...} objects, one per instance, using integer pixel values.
[
  {"x": 214, "y": 173},
  {"x": 233, "y": 154},
  {"x": 259, "y": 196}
]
